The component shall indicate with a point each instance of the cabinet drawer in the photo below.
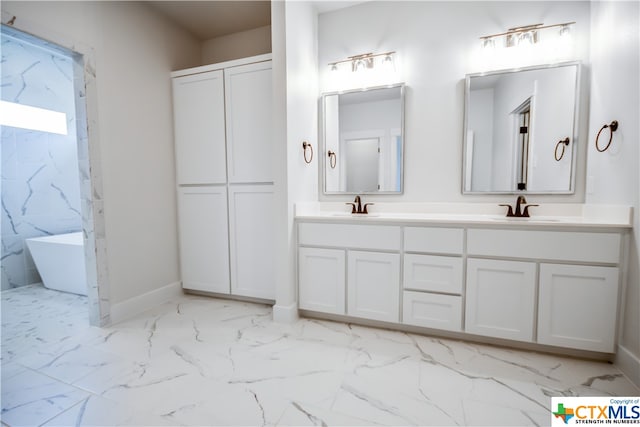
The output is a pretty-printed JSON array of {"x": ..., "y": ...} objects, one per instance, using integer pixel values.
[
  {"x": 350, "y": 236},
  {"x": 551, "y": 245},
  {"x": 432, "y": 310},
  {"x": 433, "y": 273},
  {"x": 433, "y": 240}
]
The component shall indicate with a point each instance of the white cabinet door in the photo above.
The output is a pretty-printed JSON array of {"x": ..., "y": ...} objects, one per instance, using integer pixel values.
[
  {"x": 248, "y": 94},
  {"x": 204, "y": 241},
  {"x": 199, "y": 126},
  {"x": 322, "y": 280},
  {"x": 577, "y": 306},
  {"x": 373, "y": 285},
  {"x": 251, "y": 219},
  {"x": 500, "y": 298}
]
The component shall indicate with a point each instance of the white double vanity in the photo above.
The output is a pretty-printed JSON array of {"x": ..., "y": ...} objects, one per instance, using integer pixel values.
[{"x": 552, "y": 280}]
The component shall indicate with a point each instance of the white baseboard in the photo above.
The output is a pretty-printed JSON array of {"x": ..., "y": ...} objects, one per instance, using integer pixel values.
[
  {"x": 285, "y": 313},
  {"x": 136, "y": 305},
  {"x": 629, "y": 364}
]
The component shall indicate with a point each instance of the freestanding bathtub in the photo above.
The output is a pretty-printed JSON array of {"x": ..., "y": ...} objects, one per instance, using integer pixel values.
[{"x": 60, "y": 261}]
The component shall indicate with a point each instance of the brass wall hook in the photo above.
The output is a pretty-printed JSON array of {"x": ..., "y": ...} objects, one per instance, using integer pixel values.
[{"x": 613, "y": 126}]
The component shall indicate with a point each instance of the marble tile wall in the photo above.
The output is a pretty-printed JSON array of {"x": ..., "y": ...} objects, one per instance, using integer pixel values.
[{"x": 40, "y": 185}]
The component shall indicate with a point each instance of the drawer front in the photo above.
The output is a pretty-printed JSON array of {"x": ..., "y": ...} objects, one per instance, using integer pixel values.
[
  {"x": 433, "y": 273},
  {"x": 434, "y": 240},
  {"x": 378, "y": 237},
  {"x": 432, "y": 310},
  {"x": 551, "y": 245}
]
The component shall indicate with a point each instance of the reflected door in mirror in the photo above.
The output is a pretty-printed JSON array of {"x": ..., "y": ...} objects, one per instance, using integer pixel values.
[
  {"x": 514, "y": 120},
  {"x": 363, "y": 141}
]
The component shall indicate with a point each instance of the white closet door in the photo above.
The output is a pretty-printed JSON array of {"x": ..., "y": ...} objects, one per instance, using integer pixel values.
[
  {"x": 199, "y": 126},
  {"x": 251, "y": 216},
  {"x": 248, "y": 95},
  {"x": 204, "y": 239}
]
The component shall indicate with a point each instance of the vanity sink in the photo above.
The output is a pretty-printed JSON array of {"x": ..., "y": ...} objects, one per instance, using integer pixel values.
[
  {"x": 349, "y": 214},
  {"x": 524, "y": 219}
]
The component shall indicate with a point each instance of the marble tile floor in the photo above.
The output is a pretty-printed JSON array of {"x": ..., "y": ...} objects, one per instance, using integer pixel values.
[{"x": 205, "y": 361}]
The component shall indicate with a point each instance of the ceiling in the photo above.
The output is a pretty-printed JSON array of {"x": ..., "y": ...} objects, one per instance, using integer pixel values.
[{"x": 208, "y": 19}]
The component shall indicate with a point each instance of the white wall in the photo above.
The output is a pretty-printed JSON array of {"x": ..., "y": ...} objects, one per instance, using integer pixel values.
[
  {"x": 480, "y": 123},
  {"x": 552, "y": 95},
  {"x": 135, "y": 49},
  {"x": 373, "y": 119},
  {"x": 552, "y": 119},
  {"x": 237, "y": 45},
  {"x": 613, "y": 175},
  {"x": 301, "y": 180},
  {"x": 435, "y": 44}
]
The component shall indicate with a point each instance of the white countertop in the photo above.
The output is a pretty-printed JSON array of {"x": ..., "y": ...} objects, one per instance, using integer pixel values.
[{"x": 547, "y": 215}]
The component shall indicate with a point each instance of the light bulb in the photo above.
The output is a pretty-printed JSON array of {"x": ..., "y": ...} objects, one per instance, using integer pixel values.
[
  {"x": 565, "y": 31},
  {"x": 488, "y": 43},
  {"x": 334, "y": 67},
  {"x": 387, "y": 63},
  {"x": 525, "y": 39}
]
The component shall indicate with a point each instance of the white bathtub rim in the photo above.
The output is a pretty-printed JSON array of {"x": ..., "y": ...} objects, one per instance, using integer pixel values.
[
  {"x": 73, "y": 238},
  {"x": 60, "y": 261}
]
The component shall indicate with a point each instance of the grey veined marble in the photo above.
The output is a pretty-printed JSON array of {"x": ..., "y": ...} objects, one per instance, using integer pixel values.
[
  {"x": 40, "y": 174},
  {"x": 204, "y": 361}
]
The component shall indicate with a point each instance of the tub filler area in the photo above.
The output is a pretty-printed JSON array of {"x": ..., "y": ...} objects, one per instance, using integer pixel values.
[{"x": 60, "y": 261}]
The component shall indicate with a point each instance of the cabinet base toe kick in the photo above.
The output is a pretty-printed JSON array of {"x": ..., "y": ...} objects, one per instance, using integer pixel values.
[{"x": 472, "y": 339}]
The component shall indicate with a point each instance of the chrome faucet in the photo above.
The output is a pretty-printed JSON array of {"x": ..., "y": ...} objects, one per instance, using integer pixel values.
[
  {"x": 519, "y": 211},
  {"x": 357, "y": 207}
]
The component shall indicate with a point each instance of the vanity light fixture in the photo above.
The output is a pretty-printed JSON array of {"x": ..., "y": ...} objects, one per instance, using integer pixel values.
[
  {"x": 366, "y": 61},
  {"x": 526, "y": 35}
]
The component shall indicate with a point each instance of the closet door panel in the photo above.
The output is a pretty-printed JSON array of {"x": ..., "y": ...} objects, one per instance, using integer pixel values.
[
  {"x": 248, "y": 96},
  {"x": 204, "y": 241},
  {"x": 199, "y": 126},
  {"x": 251, "y": 219}
]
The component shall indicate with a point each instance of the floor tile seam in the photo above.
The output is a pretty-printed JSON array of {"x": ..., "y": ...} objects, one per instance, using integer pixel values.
[
  {"x": 59, "y": 380},
  {"x": 73, "y": 404},
  {"x": 64, "y": 411}
]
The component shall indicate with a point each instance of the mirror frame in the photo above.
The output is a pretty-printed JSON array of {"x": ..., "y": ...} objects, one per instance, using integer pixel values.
[
  {"x": 575, "y": 126},
  {"x": 323, "y": 151}
]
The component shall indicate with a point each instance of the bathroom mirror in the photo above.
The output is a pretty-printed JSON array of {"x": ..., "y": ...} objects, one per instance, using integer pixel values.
[
  {"x": 363, "y": 141},
  {"x": 520, "y": 130}
]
